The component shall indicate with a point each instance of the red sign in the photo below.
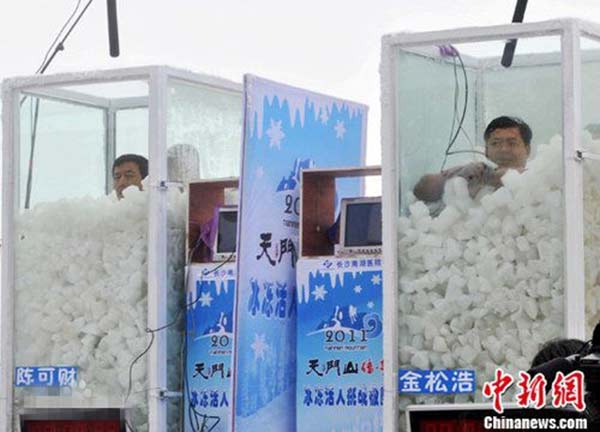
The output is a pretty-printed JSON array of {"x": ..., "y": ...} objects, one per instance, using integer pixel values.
[
  {"x": 72, "y": 426},
  {"x": 451, "y": 426}
]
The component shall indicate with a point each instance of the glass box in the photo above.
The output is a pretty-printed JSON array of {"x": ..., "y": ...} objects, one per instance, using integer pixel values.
[
  {"x": 89, "y": 280},
  {"x": 490, "y": 240}
]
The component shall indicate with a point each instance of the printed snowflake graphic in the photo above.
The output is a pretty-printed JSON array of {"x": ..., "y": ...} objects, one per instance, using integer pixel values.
[
  {"x": 370, "y": 305},
  {"x": 319, "y": 292},
  {"x": 259, "y": 346},
  {"x": 357, "y": 289},
  {"x": 376, "y": 280},
  {"x": 340, "y": 130},
  {"x": 205, "y": 299},
  {"x": 275, "y": 134}
]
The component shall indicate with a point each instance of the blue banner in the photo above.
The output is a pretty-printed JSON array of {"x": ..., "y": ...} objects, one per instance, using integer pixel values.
[
  {"x": 286, "y": 130},
  {"x": 340, "y": 344},
  {"x": 46, "y": 376},
  {"x": 207, "y": 395},
  {"x": 443, "y": 381}
]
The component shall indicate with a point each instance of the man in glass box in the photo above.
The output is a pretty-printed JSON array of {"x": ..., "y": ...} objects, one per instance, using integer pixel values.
[
  {"x": 507, "y": 144},
  {"x": 128, "y": 170}
]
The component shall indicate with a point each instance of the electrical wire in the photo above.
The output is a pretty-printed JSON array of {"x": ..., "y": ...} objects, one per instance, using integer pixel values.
[
  {"x": 54, "y": 48},
  {"x": 466, "y": 151},
  {"x": 172, "y": 323},
  {"x": 455, "y": 116},
  {"x": 191, "y": 411},
  {"x": 52, "y": 45},
  {"x": 454, "y": 133}
]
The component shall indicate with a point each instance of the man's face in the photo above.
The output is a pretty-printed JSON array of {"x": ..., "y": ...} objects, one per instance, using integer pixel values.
[
  {"x": 507, "y": 148},
  {"x": 124, "y": 175}
]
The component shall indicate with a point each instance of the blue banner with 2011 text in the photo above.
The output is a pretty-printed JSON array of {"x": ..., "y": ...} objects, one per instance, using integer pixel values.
[{"x": 286, "y": 130}]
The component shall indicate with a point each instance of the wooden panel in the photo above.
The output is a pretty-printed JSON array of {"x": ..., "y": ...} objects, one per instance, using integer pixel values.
[
  {"x": 318, "y": 206},
  {"x": 318, "y": 212}
]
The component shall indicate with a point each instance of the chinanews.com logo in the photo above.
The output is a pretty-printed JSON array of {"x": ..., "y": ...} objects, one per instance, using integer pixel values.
[{"x": 566, "y": 391}]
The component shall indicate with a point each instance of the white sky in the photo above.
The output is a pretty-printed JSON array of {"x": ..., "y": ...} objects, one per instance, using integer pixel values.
[{"x": 330, "y": 46}]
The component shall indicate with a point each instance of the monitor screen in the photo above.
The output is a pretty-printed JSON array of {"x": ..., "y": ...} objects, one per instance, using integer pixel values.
[
  {"x": 227, "y": 231},
  {"x": 363, "y": 224}
]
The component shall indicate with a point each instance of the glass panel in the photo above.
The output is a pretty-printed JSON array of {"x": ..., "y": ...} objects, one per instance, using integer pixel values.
[
  {"x": 111, "y": 90},
  {"x": 81, "y": 272},
  {"x": 591, "y": 204},
  {"x": 175, "y": 300},
  {"x": 590, "y": 71},
  {"x": 131, "y": 131},
  {"x": 481, "y": 248},
  {"x": 512, "y": 91},
  {"x": 55, "y": 129},
  {"x": 204, "y": 132},
  {"x": 422, "y": 78}
]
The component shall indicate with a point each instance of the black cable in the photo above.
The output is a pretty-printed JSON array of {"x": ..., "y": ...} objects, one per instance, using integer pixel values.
[
  {"x": 455, "y": 115},
  {"x": 191, "y": 412},
  {"x": 456, "y": 54},
  {"x": 60, "y": 46},
  {"x": 455, "y": 106},
  {"x": 187, "y": 306},
  {"x": 45, "y": 63},
  {"x": 175, "y": 320},
  {"x": 31, "y": 153},
  {"x": 143, "y": 353},
  {"x": 465, "y": 151},
  {"x": 58, "y": 36},
  {"x": 456, "y": 92}
]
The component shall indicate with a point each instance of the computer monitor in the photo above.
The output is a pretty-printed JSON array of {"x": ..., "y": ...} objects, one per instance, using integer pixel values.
[
  {"x": 226, "y": 235},
  {"x": 360, "y": 226}
]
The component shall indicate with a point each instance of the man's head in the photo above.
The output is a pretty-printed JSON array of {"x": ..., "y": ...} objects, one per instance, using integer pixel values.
[
  {"x": 557, "y": 348},
  {"x": 508, "y": 142},
  {"x": 127, "y": 170}
]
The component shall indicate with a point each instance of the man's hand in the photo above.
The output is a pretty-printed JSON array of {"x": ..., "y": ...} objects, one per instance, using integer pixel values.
[
  {"x": 477, "y": 174},
  {"x": 475, "y": 171},
  {"x": 495, "y": 177}
]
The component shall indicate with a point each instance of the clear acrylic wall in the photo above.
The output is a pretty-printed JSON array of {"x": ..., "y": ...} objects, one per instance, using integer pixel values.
[
  {"x": 488, "y": 271},
  {"x": 480, "y": 269},
  {"x": 590, "y": 142},
  {"x": 80, "y": 254},
  {"x": 204, "y": 133},
  {"x": 82, "y": 275}
]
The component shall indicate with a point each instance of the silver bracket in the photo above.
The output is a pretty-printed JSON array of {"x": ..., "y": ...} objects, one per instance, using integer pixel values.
[
  {"x": 164, "y": 185},
  {"x": 580, "y": 155},
  {"x": 166, "y": 394}
]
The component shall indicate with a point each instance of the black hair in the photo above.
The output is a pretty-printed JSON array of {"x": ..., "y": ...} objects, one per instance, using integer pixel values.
[
  {"x": 557, "y": 348},
  {"x": 506, "y": 122},
  {"x": 139, "y": 160}
]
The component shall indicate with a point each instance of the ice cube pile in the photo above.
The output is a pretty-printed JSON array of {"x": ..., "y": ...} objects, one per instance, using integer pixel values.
[
  {"x": 481, "y": 285},
  {"x": 81, "y": 291}
]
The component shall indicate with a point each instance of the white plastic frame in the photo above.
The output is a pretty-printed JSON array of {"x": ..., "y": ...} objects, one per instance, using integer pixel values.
[
  {"x": 570, "y": 31},
  {"x": 157, "y": 78}
]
